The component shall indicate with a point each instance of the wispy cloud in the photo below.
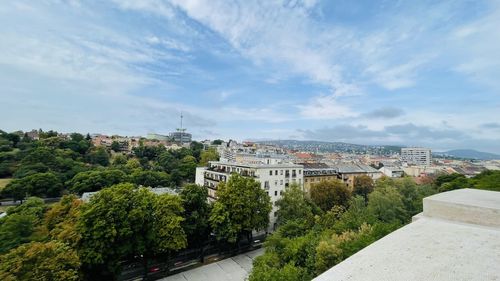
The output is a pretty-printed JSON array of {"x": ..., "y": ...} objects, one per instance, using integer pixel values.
[
  {"x": 385, "y": 113},
  {"x": 382, "y": 71},
  {"x": 325, "y": 107}
]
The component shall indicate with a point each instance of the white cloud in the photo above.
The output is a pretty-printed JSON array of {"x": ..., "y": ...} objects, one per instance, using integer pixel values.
[
  {"x": 325, "y": 107},
  {"x": 151, "y": 6},
  {"x": 276, "y": 33}
]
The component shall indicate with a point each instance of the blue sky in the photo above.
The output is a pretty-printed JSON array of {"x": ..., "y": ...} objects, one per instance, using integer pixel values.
[{"x": 371, "y": 72}]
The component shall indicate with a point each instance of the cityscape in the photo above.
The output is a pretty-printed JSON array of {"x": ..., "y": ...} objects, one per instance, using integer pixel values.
[{"x": 249, "y": 140}]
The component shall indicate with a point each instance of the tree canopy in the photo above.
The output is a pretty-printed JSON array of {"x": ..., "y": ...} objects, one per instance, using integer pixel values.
[
  {"x": 121, "y": 221},
  {"x": 241, "y": 207},
  {"x": 327, "y": 194}
]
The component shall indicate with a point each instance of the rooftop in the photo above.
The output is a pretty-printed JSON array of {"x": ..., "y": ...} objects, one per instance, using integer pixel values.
[
  {"x": 457, "y": 237},
  {"x": 245, "y": 165},
  {"x": 355, "y": 168}
]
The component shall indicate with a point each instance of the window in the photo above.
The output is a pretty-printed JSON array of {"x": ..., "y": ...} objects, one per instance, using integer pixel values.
[
  {"x": 276, "y": 182},
  {"x": 281, "y": 172},
  {"x": 281, "y": 192},
  {"x": 271, "y": 172},
  {"x": 300, "y": 172},
  {"x": 281, "y": 182},
  {"x": 276, "y": 172},
  {"x": 266, "y": 184},
  {"x": 275, "y": 193}
]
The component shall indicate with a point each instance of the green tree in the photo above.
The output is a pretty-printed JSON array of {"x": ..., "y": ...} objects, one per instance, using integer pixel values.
[
  {"x": 133, "y": 164},
  {"x": 217, "y": 142},
  {"x": 294, "y": 206},
  {"x": 412, "y": 194},
  {"x": 327, "y": 194},
  {"x": 337, "y": 248},
  {"x": 39, "y": 184},
  {"x": 187, "y": 168},
  {"x": 96, "y": 180},
  {"x": 386, "y": 204},
  {"x": 115, "y": 146},
  {"x": 266, "y": 268},
  {"x": 208, "y": 155},
  {"x": 61, "y": 219},
  {"x": 123, "y": 221},
  {"x": 167, "y": 161},
  {"x": 15, "y": 230},
  {"x": 457, "y": 183},
  {"x": 19, "y": 226},
  {"x": 47, "y": 261},
  {"x": 98, "y": 156},
  {"x": 196, "y": 149},
  {"x": 196, "y": 213},
  {"x": 241, "y": 207},
  {"x": 151, "y": 178},
  {"x": 444, "y": 178},
  {"x": 119, "y": 160},
  {"x": 488, "y": 180},
  {"x": 363, "y": 185}
]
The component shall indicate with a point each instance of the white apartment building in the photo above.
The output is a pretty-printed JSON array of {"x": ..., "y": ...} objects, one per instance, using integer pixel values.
[
  {"x": 416, "y": 156},
  {"x": 274, "y": 178}
]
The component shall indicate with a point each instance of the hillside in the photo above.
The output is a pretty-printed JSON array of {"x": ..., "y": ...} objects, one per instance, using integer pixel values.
[{"x": 470, "y": 154}]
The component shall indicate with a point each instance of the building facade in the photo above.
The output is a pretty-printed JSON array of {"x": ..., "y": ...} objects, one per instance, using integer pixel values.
[
  {"x": 347, "y": 172},
  {"x": 317, "y": 172},
  {"x": 416, "y": 156},
  {"x": 181, "y": 136},
  {"x": 274, "y": 179},
  {"x": 392, "y": 171}
]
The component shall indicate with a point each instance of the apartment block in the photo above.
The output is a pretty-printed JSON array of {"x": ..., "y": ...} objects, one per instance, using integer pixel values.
[
  {"x": 274, "y": 178},
  {"x": 416, "y": 156}
]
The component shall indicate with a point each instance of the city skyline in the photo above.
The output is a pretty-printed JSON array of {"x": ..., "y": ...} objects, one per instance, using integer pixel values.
[{"x": 415, "y": 74}]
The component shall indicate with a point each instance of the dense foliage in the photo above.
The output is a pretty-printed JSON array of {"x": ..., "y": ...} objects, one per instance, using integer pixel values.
[
  {"x": 315, "y": 234},
  {"x": 57, "y": 164},
  {"x": 242, "y": 206}
]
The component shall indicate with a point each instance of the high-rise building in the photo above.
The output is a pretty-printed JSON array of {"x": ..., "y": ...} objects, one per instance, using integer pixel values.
[
  {"x": 181, "y": 136},
  {"x": 416, "y": 156}
]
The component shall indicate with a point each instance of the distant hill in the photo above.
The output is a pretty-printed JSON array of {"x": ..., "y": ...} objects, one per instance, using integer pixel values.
[
  {"x": 470, "y": 154},
  {"x": 324, "y": 146}
]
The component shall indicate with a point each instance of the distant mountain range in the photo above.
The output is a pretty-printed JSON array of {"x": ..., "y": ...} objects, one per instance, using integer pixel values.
[{"x": 469, "y": 154}]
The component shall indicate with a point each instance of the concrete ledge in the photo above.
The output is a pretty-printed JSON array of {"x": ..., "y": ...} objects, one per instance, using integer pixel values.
[
  {"x": 456, "y": 237},
  {"x": 473, "y": 206},
  {"x": 417, "y": 217}
]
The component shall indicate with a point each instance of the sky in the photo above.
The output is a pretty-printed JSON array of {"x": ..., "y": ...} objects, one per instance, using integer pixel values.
[{"x": 413, "y": 73}]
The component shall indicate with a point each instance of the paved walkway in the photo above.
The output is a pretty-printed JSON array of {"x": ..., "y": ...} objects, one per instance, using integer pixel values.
[{"x": 236, "y": 268}]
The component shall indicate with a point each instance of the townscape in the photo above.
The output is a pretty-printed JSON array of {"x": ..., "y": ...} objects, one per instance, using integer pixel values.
[
  {"x": 249, "y": 140},
  {"x": 74, "y": 198}
]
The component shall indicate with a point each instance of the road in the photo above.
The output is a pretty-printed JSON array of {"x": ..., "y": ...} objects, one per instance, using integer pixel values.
[
  {"x": 236, "y": 268},
  {"x": 12, "y": 203}
]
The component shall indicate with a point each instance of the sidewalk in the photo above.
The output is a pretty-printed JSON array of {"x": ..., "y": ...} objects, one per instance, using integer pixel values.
[{"x": 236, "y": 268}]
